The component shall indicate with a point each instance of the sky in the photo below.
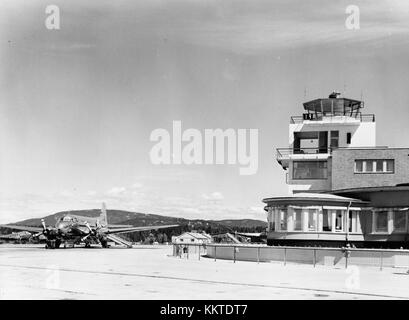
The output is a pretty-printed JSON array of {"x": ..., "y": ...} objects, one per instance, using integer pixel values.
[{"x": 78, "y": 104}]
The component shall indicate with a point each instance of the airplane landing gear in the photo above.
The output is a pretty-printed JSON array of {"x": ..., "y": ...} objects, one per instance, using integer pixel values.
[
  {"x": 104, "y": 243},
  {"x": 52, "y": 244}
]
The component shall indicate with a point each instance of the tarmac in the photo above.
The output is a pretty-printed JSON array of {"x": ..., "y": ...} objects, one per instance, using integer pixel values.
[{"x": 151, "y": 272}]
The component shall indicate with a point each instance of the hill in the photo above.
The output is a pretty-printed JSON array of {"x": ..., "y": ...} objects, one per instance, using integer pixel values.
[{"x": 143, "y": 219}]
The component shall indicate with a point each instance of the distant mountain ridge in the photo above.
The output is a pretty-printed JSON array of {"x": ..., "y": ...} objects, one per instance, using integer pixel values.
[{"x": 143, "y": 219}]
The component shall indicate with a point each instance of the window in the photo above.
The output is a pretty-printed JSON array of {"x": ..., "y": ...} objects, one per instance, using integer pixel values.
[
  {"x": 399, "y": 220},
  {"x": 326, "y": 220},
  {"x": 310, "y": 170},
  {"x": 379, "y": 165},
  {"x": 312, "y": 220},
  {"x": 308, "y": 116},
  {"x": 374, "y": 166},
  {"x": 352, "y": 221},
  {"x": 283, "y": 219},
  {"x": 181, "y": 240},
  {"x": 368, "y": 166},
  {"x": 306, "y": 142},
  {"x": 297, "y": 220},
  {"x": 359, "y": 165},
  {"x": 339, "y": 221},
  {"x": 349, "y": 136},
  {"x": 334, "y": 139},
  {"x": 390, "y": 165},
  {"x": 272, "y": 220},
  {"x": 381, "y": 221}
]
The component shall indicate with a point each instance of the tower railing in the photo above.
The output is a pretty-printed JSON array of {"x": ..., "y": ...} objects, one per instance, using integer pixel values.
[
  {"x": 285, "y": 152},
  {"x": 319, "y": 117}
]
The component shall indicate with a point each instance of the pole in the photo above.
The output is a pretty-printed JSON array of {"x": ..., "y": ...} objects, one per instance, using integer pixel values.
[
  {"x": 381, "y": 260},
  {"x": 346, "y": 258},
  {"x": 258, "y": 255},
  {"x": 315, "y": 258},
  {"x": 285, "y": 256},
  {"x": 215, "y": 251},
  {"x": 347, "y": 223},
  {"x": 199, "y": 251},
  {"x": 234, "y": 254}
]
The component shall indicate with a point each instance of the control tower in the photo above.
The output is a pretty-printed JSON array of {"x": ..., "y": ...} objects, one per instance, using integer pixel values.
[{"x": 326, "y": 124}]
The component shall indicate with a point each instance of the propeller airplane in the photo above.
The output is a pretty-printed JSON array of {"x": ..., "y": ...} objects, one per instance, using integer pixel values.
[{"x": 75, "y": 229}]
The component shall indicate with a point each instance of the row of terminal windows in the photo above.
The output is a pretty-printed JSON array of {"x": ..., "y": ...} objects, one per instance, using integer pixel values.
[
  {"x": 308, "y": 170},
  {"x": 314, "y": 220},
  {"x": 374, "y": 166},
  {"x": 334, "y": 220}
]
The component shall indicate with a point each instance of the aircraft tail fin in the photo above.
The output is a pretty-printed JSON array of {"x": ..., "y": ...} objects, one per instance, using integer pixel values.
[{"x": 103, "y": 219}]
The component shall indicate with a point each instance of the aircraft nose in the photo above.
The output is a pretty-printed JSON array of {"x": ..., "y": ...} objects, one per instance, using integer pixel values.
[{"x": 61, "y": 226}]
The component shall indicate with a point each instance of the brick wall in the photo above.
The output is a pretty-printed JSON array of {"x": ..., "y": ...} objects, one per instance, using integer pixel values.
[{"x": 343, "y": 175}]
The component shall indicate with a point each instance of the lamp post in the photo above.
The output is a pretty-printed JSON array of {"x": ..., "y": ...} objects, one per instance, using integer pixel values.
[{"x": 347, "y": 223}]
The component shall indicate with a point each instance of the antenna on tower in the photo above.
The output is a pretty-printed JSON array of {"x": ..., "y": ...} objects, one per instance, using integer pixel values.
[
  {"x": 305, "y": 92},
  {"x": 345, "y": 89}
]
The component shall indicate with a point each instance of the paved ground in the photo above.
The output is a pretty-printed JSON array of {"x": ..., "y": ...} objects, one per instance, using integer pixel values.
[{"x": 31, "y": 272}]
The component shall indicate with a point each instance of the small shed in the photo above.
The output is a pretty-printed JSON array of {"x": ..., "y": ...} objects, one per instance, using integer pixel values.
[
  {"x": 192, "y": 238},
  {"x": 190, "y": 243}
]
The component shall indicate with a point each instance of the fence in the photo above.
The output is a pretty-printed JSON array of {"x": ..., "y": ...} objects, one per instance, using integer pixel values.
[{"x": 306, "y": 255}]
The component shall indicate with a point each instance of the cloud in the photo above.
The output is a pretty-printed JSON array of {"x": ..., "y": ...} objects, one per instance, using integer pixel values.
[
  {"x": 261, "y": 26},
  {"x": 116, "y": 191},
  {"x": 137, "y": 185},
  {"x": 259, "y": 210},
  {"x": 66, "y": 193},
  {"x": 204, "y": 206},
  {"x": 214, "y": 196},
  {"x": 217, "y": 196}
]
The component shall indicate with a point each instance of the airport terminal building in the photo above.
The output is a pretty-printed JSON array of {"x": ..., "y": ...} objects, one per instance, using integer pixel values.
[{"x": 343, "y": 187}]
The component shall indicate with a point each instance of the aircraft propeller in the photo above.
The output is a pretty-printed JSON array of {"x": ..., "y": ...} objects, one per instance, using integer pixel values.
[
  {"x": 89, "y": 228},
  {"x": 44, "y": 231},
  {"x": 91, "y": 231}
]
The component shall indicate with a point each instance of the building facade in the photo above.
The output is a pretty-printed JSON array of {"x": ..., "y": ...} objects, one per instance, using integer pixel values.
[{"x": 343, "y": 187}]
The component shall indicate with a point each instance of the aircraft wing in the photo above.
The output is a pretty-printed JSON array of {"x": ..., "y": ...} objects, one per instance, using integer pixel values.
[
  {"x": 120, "y": 225},
  {"x": 145, "y": 228},
  {"x": 8, "y": 236},
  {"x": 23, "y": 228},
  {"x": 16, "y": 235},
  {"x": 249, "y": 234}
]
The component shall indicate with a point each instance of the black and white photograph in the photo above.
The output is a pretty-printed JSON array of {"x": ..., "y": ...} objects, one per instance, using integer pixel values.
[{"x": 204, "y": 150}]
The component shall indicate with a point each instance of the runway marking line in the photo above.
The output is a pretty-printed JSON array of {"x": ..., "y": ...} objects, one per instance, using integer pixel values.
[{"x": 62, "y": 290}]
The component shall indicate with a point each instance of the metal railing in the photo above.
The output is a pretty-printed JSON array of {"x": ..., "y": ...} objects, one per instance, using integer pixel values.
[
  {"x": 319, "y": 117},
  {"x": 285, "y": 152},
  {"x": 345, "y": 256}
]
